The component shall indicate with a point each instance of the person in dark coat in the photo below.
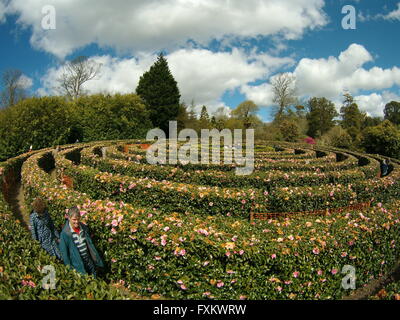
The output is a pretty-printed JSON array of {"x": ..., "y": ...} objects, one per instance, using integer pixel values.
[
  {"x": 76, "y": 245},
  {"x": 384, "y": 168},
  {"x": 42, "y": 228}
]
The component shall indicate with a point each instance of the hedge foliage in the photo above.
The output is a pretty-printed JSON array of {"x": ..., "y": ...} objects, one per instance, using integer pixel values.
[
  {"x": 50, "y": 121},
  {"x": 22, "y": 261},
  {"x": 187, "y": 257}
]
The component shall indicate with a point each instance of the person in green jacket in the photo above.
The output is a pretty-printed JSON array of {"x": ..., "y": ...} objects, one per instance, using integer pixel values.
[{"x": 76, "y": 246}]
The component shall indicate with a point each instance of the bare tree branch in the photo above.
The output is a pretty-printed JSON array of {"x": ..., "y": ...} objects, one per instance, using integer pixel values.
[
  {"x": 284, "y": 90},
  {"x": 75, "y": 74},
  {"x": 13, "y": 88}
]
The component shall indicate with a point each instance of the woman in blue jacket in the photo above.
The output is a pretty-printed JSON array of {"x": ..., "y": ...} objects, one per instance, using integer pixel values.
[
  {"x": 42, "y": 228},
  {"x": 76, "y": 246}
]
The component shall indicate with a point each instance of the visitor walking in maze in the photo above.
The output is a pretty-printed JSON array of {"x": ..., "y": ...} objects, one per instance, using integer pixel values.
[
  {"x": 76, "y": 245},
  {"x": 384, "y": 168},
  {"x": 42, "y": 228}
]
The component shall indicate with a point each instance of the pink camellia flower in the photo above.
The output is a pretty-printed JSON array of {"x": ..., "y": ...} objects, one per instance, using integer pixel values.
[
  {"x": 279, "y": 289},
  {"x": 227, "y": 253},
  {"x": 207, "y": 293},
  {"x": 110, "y": 240},
  {"x": 113, "y": 231},
  {"x": 288, "y": 282},
  {"x": 183, "y": 287},
  {"x": 273, "y": 256},
  {"x": 266, "y": 193},
  {"x": 220, "y": 284},
  {"x": 344, "y": 254},
  {"x": 242, "y": 297},
  {"x": 166, "y": 229},
  {"x": 334, "y": 271},
  {"x": 380, "y": 205},
  {"x": 319, "y": 272},
  {"x": 157, "y": 258},
  {"x": 113, "y": 260},
  {"x": 241, "y": 252},
  {"x": 179, "y": 282},
  {"x": 234, "y": 238},
  {"x": 243, "y": 201},
  {"x": 331, "y": 194},
  {"x": 206, "y": 263},
  {"x": 114, "y": 223},
  {"x": 315, "y": 251},
  {"x": 296, "y": 274}
]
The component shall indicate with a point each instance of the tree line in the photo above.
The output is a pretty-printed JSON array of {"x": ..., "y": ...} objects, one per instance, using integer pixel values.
[{"x": 75, "y": 116}]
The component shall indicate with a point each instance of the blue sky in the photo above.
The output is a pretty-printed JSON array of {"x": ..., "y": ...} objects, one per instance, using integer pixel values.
[{"x": 221, "y": 53}]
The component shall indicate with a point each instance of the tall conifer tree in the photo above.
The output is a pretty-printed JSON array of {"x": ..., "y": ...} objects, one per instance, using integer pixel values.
[{"x": 159, "y": 90}]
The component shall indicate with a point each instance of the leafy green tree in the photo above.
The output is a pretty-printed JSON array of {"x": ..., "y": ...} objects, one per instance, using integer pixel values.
[
  {"x": 159, "y": 90},
  {"x": 337, "y": 137},
  {"x": 289, "y": 130},
  {"x": 204, "y": 118},
  {"x": 383, "y": 139},
  {"x": 246, "y": 112},
  {"x": 352, "y": 118},
  {"x": 392, "y": 112},
  {"x": 371, "y": 122},
  {"x": 321, "y": 113}
]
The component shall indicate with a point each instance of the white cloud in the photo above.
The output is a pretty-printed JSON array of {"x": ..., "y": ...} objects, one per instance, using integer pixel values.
[
  {"x": 394, "y": 15},
  {"x": 261, "y": 95},
  {"x": 150, "y": 25},
  {"x": 25, "y": 82},
  {"x": 2, "y": 12},
  {"x": 202, "y": 75},
  {"x": 374, "y": 104},
  {"x": 330, "y": 77}
]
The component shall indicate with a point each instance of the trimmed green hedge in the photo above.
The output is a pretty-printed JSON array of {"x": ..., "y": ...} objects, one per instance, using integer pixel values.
[
  {"x": 262, "y": 180},
  {"x": 188, "y": 257}
]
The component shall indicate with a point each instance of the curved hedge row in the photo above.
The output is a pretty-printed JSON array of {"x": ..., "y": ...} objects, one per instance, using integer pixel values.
[
  {"x": 318, "y": 164},
  {"x": 183, "y": 197},
  {"x": 261, "y": 180},
  {"x": 183, "y": 256}
]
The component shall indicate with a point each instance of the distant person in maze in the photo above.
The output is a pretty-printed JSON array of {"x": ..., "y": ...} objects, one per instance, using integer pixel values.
[
  {"x": 76, "y": 246},
  {"x": 384, "y": 168},
  {"x": 42, "y": 228}
]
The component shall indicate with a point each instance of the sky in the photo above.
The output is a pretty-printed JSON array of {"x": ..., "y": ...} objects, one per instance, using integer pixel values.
[{"x": 220, "y": 52}]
